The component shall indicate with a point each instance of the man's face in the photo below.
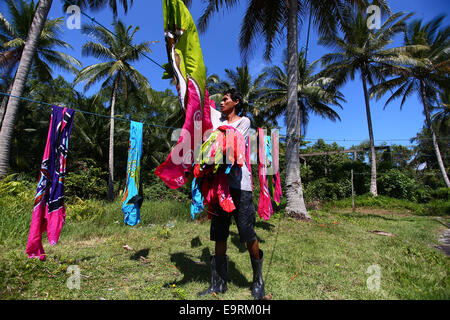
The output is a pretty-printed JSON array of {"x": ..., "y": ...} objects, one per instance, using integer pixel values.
[{"x": 227, "y": 104}]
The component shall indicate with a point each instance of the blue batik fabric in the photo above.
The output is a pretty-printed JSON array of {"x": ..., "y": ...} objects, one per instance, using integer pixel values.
[{"x": 132, "y": 197}]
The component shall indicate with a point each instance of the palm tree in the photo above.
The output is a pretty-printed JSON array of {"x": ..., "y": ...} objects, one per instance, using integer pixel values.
[
  {"x": 424, "y": 72},
  {"x": 116, "y": 72},
  {"x": 269, "y": 19},
  {"x": 98, "y": 4},
  {"x": 20, "y": 79},
  {"x": 441, "y": 118},
  {"x": 362, "y": 50},
  {"x": 13, "y": 35},
  {"x": 24, "y": 67},
  {"x": 215, "y": 87},
  {"x": 90, "y": 130},
  {"x": 315, "y": 93},
  {"x": 251, "y": 90}
]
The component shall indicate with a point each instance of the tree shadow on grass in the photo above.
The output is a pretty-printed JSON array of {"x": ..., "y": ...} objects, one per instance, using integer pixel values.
[{"x": 194, "y": 270}]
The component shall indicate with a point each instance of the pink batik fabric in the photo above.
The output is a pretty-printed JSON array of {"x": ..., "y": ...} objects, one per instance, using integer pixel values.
[
  {"x": 265, "y": 209},
  {"x": 176, "y": 175}
]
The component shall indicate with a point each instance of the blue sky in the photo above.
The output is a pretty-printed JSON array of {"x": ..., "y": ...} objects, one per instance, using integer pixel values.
[{"x": 220, "y": 51}]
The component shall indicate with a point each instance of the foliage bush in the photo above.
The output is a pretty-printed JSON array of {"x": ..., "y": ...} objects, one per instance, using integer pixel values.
[
  {"x": 159, "y": 191},
  {"x": 431, "y": 178},
  {"x": 322, "y": 189},
  {"x": 13, "y": 186},
  {"x": 437, "y": 208},
  {"x": 83, "y": 210},
  {"x": 396, "y": 184},
  {"x": 423, "y": 194},
  {"x": 441, "y": 193},
  {"x": 380, "y": 202},
  {"x": 86, "y": 182}
]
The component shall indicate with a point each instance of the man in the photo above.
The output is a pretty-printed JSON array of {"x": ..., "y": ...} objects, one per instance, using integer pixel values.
[{"x": 240, "y": 184}]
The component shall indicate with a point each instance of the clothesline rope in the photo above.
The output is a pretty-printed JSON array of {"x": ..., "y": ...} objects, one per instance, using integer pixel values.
[
  {"x": 169, "y": 127},
  {"x": 83, "y": 111}
]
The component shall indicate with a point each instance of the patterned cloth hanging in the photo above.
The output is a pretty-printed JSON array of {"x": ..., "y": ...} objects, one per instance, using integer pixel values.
[
  {"x": 186, "y": 66},
  {"x": 132, "y": 194},
  {"x": 265, "y": 209},
  {"x": 277, "y": 192},
  {"x": 268, "y": 171},
  {"x": 49, "y": 212},
  {"x": 224, "y": 148}
]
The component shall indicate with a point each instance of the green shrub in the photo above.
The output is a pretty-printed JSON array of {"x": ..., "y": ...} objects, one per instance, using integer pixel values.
[
  {"x": 441, "y": 193},
  {"x": 394, "y": 183},
  {"x": 323, "y": 190},
  {"x": 159, "y": 191},
  {"x": 380, "y": 202},
  {"x": 423, "y": 194},
  {"x": 437, "y": 208},
  {"x": 12, "y": 187},
  {"x": 83, "y": 210},
  {"x": 86, "y": 182}
]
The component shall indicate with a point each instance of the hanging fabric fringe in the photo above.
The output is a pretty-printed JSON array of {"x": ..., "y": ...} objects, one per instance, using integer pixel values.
[
  {"x": 132, "y": 194},
  {"x": 49, "y": 212}
]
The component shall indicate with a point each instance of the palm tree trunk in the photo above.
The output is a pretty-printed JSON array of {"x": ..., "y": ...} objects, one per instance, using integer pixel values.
[
  {"x": 111, "y": 142},
  {"x": 373, "y": 158},
  {"x": 4, "y": 103},
  {"x": 433, "y": 135},
  {"x": 26, "y": 60},
  {"x": 294, "y": 192}
]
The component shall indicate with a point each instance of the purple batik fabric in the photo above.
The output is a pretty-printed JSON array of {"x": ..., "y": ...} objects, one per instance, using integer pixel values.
[{"x": 49, "y": 212}]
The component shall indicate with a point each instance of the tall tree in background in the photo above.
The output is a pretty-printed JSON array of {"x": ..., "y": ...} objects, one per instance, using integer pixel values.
[
  {"x": 269, "y": 19},
  {"x": 26, "y": 60},
  {"x": 441, "y": 118},
  {"x": 425, "y": 70},
  {"x": 115, "y": 72},
  {"x": 251, "y": 89},
  {"x": 315, "y": 93},
  {"x": 13, "y": 35},
  {"x": 363, "y": 50},
  {"x": 99, "y": 4},
  {"x": 20, "y": 79}
]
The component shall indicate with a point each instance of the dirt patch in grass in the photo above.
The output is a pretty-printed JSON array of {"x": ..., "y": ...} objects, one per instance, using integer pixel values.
[{"x": 92, "y": 242}]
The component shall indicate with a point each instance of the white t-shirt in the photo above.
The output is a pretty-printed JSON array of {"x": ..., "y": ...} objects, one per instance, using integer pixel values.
[{"x": 237, "y": 179}]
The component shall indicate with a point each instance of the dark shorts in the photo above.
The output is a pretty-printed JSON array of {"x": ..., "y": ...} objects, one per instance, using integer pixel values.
[{"x": 244, "y": 215}]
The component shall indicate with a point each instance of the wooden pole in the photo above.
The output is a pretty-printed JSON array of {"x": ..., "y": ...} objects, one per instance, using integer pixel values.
[{"x": 353, "y": 195}]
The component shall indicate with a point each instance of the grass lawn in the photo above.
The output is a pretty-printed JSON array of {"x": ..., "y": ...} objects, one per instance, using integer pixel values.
[{"x": 332, "y": 257}]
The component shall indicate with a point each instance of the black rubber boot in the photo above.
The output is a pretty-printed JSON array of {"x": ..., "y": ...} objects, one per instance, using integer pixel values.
[
  {"x": 258, "y": 291},
  {"x": 219, "y": 275}
]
